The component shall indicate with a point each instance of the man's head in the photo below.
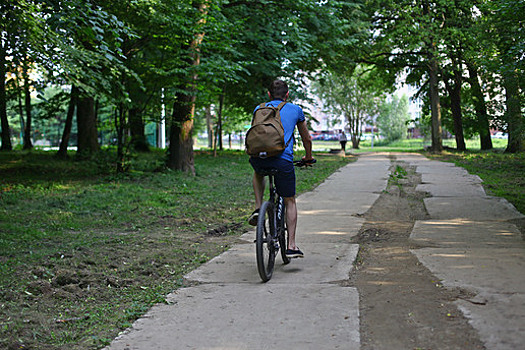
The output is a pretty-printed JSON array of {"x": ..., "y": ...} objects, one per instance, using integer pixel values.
[{"x": 278, "y": 90}]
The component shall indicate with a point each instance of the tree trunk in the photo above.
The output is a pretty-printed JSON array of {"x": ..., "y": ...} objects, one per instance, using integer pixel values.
[
  {"x": 454, "y": 91},
  {"x": 209, "y": 127},
  {"x": 480, "y": 107},
  {"x": 355, "y": 141},
  {"x": 6, "y": 131},
  {"x": 219, "y": 122},
  {"x": 435, "y": 104},
  {"x": 66, "y": 134},
  {"x": 180, "y": 150},
  {"x": 514, "y": 118},
  {"x": 437, "y": 143},
  {"x": 27, "y": 104},
  {"x": 137, "y": 130},
  {"x": 87, "y": 127},
  {"x": 120, "y": 127},
  {"x": 353, "y": 124}
]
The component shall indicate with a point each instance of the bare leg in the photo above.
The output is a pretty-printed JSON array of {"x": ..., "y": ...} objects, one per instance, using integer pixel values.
[
  {"x": 291, "y": 220},
  {"x": 258, "y": 189}
]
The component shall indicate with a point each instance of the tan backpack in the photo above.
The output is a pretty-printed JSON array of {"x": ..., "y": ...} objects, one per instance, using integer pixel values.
[{"x": 265, "y": 138}]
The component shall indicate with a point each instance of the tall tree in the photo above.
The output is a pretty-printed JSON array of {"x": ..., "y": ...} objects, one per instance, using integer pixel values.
[
  {"x": 180, "y": 153},
  {"x": 480, "y": 107},
  {"x": 85, "y": 41},
  {"x": 6, "y": 131},
  {"x": 353, "y": 97},
  {"x": 408, "y": 34},
  {"x": 27, "y": 106},
  {"x": 19, "y": 29},
  {"x": 463, "y": 44},
  {"x": 499, "y": 53},
  {"x": 453, "y": 83},
  {"x": 393, "y": 117},
  {"x": 87, "y": 127},
  {"x": 66, "y": 134},
  {"x": 508, "y": 21}
]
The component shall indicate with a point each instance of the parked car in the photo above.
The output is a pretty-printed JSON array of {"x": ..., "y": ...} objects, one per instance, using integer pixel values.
[{"x": 500, "y": 135}]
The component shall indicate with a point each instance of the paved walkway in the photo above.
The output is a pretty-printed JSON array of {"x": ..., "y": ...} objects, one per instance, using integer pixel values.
[{"x": 469, "y": 245}]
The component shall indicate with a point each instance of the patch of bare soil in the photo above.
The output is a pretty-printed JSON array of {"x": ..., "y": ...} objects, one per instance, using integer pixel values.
[
  {"x": 402, "y": 305},
  {"x": 81, "y": 298}
]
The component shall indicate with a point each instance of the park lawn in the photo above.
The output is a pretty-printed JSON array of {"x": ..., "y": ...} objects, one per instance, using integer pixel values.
[{"x": 84, "y": 252}]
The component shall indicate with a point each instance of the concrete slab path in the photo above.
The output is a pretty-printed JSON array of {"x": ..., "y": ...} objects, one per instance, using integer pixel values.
[
  {"x": 470, "y": 244},
  {"x": 303, "y": 306},
  {"x": 467, "y": 243}
]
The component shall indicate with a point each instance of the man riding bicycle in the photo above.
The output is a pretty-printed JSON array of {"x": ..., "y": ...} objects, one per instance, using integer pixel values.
[{"x": 291, "y": 115}]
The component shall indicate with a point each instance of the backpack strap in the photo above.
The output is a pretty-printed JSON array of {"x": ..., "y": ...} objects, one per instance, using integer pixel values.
[{"x": 279, "y": 107}]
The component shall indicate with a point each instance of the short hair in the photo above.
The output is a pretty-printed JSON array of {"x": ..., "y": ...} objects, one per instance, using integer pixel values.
[{"x": 278, "y": 89}]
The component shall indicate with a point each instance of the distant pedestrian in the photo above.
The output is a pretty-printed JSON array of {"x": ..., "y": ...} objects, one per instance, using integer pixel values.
[{"x": 342, "y": 140}]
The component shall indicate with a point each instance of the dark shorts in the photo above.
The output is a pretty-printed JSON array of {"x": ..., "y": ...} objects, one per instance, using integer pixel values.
[{"x": 284, "y": 179}]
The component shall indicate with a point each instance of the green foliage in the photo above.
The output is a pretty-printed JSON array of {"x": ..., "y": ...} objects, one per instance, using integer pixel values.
[
  {"x": 235, "y": 119},
  {"x": 354, "y": 97},
  {"x": 393, "y": 118},
  {"x": 399, "y": 173},
  {"x": 289, "y": 39}
]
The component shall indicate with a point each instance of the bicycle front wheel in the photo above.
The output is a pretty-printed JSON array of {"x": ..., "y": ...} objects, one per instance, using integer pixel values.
[{"x": 264, "y": 243}]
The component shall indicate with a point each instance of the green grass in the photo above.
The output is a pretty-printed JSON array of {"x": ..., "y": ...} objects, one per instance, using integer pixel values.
[
  {"x": 414, "y": 145},
  {"x": 84, "y": 252}
]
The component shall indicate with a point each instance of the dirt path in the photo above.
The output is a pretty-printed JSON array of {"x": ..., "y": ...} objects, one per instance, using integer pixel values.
[{"x": 402, "y": 305}]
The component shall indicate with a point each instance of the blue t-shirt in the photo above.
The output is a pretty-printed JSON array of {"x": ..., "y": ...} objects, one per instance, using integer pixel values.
[{"x": 290, "y": 115}]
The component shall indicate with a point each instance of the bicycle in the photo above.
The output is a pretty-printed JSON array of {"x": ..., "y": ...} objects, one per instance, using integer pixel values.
[{"x": 271, "y": 228}]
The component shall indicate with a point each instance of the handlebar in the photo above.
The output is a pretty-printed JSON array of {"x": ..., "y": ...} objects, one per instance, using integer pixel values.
[{"x": 304, "y": 163}]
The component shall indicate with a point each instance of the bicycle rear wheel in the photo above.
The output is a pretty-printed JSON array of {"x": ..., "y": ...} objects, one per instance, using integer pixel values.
[{"x": 264, "y": 245}]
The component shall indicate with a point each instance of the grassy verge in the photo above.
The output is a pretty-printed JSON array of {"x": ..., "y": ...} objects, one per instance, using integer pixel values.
[
  {"x": 84, "y": 252},
  {"x": 415, "y": 145}
]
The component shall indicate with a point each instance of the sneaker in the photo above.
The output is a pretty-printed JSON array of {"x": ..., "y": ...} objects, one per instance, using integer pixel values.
[
  {"x": 294, "y": 253},
  {"x": 254, "y": 218}
]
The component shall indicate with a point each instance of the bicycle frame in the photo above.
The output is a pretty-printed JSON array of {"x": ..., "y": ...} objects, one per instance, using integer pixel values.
[
  {"x": 271, "y": 228},
  {"x": 278, "y": 203},
  {"x": 271, "y": 239}
]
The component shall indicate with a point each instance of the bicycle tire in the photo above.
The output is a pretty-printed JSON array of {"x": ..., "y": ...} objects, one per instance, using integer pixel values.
[
  {"x": 265, "y": 250},
  {"x": 283, "y": 242}
]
